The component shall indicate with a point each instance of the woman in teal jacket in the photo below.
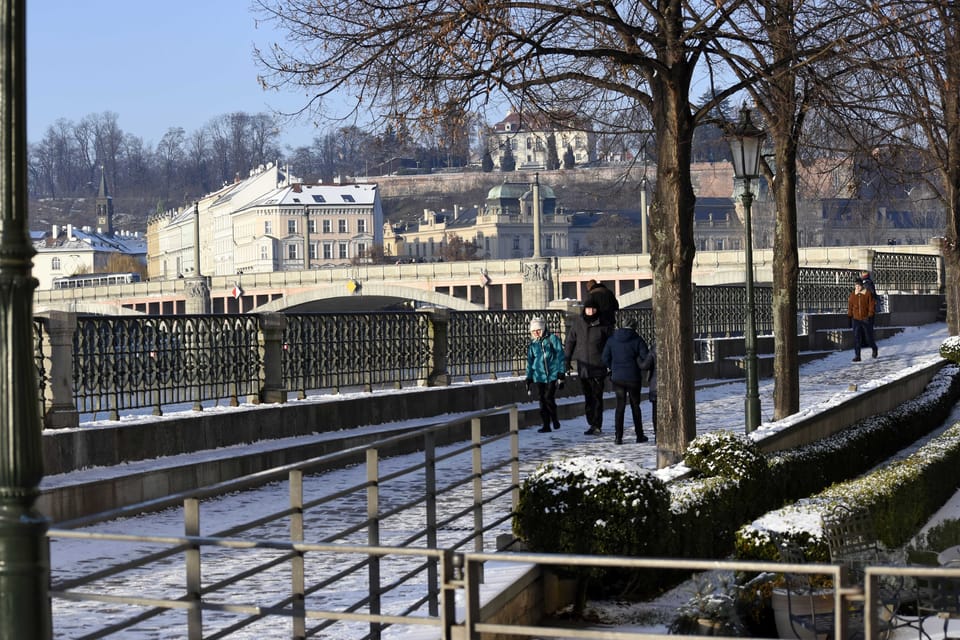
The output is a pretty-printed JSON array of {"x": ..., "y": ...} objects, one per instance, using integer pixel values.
[{"x": 546, "y": 367}]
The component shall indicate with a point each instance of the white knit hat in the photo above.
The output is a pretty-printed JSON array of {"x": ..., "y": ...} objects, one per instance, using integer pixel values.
[{"x": 538, "y": 323}]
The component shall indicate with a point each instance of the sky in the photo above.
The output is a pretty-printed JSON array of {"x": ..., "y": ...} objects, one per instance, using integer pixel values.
[
  {"x": 825, "y": 382},
  {"x": 157, "y": 65}
]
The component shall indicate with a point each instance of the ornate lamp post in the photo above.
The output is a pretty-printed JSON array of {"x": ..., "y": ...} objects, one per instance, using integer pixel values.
[{"x": 746, "y": 141}]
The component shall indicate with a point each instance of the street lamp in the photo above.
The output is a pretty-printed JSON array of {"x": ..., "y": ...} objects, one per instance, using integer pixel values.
[{"x": 746, "y": 141}]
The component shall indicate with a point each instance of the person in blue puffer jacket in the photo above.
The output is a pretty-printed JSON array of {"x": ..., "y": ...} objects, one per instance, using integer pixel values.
[
  {"x": 624, "y": 354},
  {"x": 546, "y": 368}
]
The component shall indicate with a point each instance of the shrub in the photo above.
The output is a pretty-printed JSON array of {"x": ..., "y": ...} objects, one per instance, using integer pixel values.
[
  {"x": 724, "y": 453},
  {"x": 590, "y": 505},
  {"x": 950, "y": 349}
]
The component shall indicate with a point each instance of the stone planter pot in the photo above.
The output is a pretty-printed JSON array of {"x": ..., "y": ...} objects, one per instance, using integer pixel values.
[{"x": 800, "y": 607}]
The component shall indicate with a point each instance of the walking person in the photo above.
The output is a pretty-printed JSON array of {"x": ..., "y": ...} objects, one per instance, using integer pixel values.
[
  {"x": 861, "y": 307},
  {"x": 586, "y": 338},
  {"x": 872, "y": 289},
  {"x": 623, "y": 354},
  {"x": 546, "y": 368}
]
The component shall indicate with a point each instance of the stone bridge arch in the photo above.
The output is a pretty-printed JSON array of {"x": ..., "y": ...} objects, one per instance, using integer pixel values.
[{"x": 383, "y": 293}]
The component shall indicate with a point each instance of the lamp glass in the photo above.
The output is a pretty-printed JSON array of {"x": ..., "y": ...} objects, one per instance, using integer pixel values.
[{"x": 746, "y": 142}]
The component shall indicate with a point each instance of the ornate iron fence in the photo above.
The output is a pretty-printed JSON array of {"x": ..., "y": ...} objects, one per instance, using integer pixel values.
[
  {"x": 156, "y": 361},
  {"x": 493, "y": 343},
  {"x": 906, "y": 273},
  {"x": 363, "y": 350}
]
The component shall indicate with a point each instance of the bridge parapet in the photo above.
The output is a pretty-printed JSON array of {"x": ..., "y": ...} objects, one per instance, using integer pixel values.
[{"x": 490, "y": 284}]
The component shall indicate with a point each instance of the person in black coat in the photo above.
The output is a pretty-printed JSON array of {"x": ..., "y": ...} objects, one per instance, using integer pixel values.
[
  {"x": 584, "y": 343},
  {"x": 604, "y": 300},
  {"x": 623, "y": 354}
]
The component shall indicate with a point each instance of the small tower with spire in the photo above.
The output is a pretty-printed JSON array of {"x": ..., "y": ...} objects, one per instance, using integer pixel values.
[{"x": 104, "y": 206}]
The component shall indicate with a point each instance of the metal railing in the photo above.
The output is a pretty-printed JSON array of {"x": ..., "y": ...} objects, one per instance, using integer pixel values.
[{"x": 378, "y": 568}]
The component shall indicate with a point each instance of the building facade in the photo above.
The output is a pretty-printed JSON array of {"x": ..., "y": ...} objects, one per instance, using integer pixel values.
[
  {"x": 528, "y": 137},
  {"x": 270, "y": 221}
]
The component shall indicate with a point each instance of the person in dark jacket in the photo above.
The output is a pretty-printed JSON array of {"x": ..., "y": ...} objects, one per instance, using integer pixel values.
[
  {"x": 586, "y": 338},
  {"x": 623, "y": 354},
  {"x": 546, "y": 368},
  {"x": 604, "y": 300}
]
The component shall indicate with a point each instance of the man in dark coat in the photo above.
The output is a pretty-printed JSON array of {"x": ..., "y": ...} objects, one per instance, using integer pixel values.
[
  {"x": 605, "y": 301},
  {"x": 871, "y": 288},
  {"x": 585, "y": 340}
]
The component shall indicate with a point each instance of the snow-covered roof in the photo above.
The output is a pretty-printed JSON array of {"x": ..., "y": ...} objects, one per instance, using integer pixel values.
[{"x": 319, "y": 194}]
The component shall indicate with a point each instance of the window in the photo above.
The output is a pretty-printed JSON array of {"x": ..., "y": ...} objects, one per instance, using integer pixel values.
[
  {"x": 313, "y": 250},
  {"x": 268, "y": 227},
  {"x": 361, "y": 250},
  {"x": 318, "y": 199},
  {"x": 312, "y": 225},
  {"x": 291, "y": 227},
  {"x": 362, "y": 225},
  {"x": 263, "y": 253},
  {"x": 548, "y": 242},
  {"x": 347, "y": 197},
  {"x": 343, "y": 251},
  {"x": 342, "y": 226},
  {"x": 55, "y": 264},
  {"x": 327, "y": 226},
  {"x": 327, "y": 251},
  {"x": 293, "y": 252}
]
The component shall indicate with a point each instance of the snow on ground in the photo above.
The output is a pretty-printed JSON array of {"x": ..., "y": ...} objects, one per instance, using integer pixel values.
[{"x": 720, "y": 405}]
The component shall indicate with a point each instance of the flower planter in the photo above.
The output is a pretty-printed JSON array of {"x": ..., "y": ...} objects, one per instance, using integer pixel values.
[{"x": 800, "y": 607}]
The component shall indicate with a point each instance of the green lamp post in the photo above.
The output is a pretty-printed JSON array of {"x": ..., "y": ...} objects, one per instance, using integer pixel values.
[{"x": 746, "y": 142}]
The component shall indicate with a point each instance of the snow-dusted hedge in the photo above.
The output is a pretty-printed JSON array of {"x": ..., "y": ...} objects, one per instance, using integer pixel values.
[
  {"x": 597, "y": 506},
  {"x": 950, "y": 349},
  {"x": 591, "y": 505},
  {"x": 900, "y": 497}
]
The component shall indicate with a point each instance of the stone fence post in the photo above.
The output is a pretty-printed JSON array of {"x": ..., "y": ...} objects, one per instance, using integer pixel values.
[
  {"x": 439, "y": 346},
  {"x": 272, "y": 389},
  {"x": 59, "y": 410}
]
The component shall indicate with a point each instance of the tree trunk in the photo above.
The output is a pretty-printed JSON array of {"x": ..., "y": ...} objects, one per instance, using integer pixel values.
[
  {"x": 786, "y": 271},
  {"x": 672, "y": 252}
]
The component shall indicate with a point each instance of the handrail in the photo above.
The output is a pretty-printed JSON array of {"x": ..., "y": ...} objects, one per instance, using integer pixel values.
[{"x": 442, "y": 506}]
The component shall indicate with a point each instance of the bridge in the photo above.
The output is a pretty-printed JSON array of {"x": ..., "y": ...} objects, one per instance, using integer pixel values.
[{"x": 469, "y": 285}]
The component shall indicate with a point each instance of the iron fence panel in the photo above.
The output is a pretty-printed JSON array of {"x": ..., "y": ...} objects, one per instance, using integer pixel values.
[
  {"x": 368, "y": 350},
  {"x": 155, "y": 361}
]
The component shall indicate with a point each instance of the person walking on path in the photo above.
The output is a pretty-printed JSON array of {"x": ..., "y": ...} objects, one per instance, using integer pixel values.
[
  {"x": 606, "y": 300},
  {"x": 861, "y": 307},
  {"x": 623, "y": 354},
  {"x": 546, "y": 368},
  {"x": 872, "y": 288},
  {"x": 585, "y": 341}
]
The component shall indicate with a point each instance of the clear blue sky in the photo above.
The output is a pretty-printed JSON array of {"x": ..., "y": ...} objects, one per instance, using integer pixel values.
[{"x": 157, "y": 65}]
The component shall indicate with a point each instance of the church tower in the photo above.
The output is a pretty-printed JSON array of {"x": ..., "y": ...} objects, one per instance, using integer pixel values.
[{"x": 104, "y": 206}]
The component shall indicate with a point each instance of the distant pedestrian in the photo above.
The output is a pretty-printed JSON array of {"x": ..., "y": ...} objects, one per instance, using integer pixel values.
[
  {"x": 546, "y": 368},
  {"x": 872, "y": 288},
  {"x": 861, "y": 307},
  {"x": 623, "y": 354},
  {"x": 606, "y": 301},
  {"x": 585, "y": 341}
]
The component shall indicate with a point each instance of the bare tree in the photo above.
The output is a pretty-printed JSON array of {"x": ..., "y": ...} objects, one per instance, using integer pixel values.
[
  {"x": 908, "y": 87},
  {"x": 597, "y": 59}
]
